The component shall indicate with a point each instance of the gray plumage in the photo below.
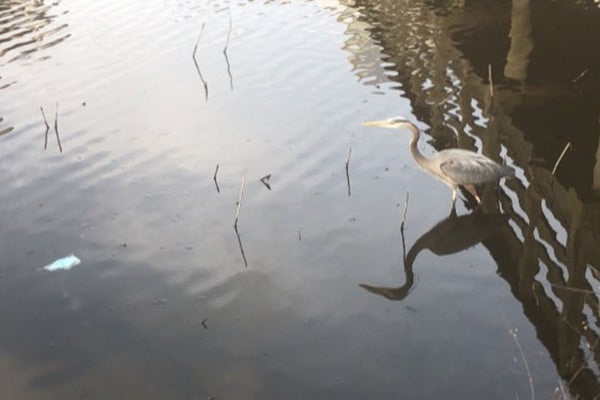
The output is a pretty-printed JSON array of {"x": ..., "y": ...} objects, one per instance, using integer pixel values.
[{"x": 454, "y": 167}]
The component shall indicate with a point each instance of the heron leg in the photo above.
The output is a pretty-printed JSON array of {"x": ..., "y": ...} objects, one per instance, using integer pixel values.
[
  {"x": 471, "y": 189},
  {"x": 453, "y": 197}
]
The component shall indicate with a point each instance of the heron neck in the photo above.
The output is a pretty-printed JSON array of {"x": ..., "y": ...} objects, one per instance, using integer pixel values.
[{"x": 414, "y": 149}]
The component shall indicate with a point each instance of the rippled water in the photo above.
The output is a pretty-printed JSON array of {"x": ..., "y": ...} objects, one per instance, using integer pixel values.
[{"x": 335, "y": 300}]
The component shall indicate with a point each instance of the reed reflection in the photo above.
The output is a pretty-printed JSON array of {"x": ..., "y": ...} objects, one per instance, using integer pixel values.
[{"x": 451, "y": 235}]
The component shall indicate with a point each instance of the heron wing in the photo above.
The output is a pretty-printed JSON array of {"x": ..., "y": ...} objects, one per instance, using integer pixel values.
[{"x": 468, "y": 168}]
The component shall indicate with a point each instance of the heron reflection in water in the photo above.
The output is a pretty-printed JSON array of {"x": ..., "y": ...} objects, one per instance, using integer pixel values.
[
  {"x": 449, "y": 236},
  {"x": 454, "y": 167}
]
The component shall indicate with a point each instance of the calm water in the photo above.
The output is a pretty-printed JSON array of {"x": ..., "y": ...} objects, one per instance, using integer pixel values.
[{"x": 335, "y": 302}]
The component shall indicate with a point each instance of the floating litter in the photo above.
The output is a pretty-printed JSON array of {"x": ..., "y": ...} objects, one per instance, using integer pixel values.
[{"x": 63, "y": 264}]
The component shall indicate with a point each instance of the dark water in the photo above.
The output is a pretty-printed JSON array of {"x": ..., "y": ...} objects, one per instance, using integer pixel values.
[{"x": 334, "y": 301}]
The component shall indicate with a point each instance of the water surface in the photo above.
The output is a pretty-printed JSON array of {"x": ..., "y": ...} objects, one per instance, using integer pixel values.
[{"x": 335, "y": 300}]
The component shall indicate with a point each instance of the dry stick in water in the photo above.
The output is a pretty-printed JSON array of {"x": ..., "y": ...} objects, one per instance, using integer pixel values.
[
  {"x": 56, "y": 128},
  {"x": 513, "y": 334},
  {"x": 347, "y": 170},
  {"x": 581, "y": 75},
  {"x": 404, "y": 212},
  {"x": 196, "y": 62},
  {"x": 490, "y": 79},
  {"x": 265, "y": 181},
  {"x": 227, "y": 57},
  {"x": 239, "y": 204},
  {"x": 235, "y": 224},
  {"x": 47, "y": 129},
  {"x": 560, "y": 157},
  {"x": 215, "y": 178},
  {"x": 402, "y": 227}
]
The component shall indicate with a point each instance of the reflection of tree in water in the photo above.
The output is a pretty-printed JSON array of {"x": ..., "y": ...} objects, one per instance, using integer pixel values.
[
  {"x": 28, "y": 27},
  {"x": 549, "y": 251}
]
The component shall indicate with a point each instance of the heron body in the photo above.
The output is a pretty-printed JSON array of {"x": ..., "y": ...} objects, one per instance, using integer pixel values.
[{"x": 454, "y": 167}]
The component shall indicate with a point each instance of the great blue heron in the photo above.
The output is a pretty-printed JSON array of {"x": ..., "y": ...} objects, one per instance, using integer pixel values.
[{"x": 454, "y": 167}]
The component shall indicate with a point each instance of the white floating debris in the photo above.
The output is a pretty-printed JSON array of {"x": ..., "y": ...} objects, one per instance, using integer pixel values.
[{"x": 63, "y": 264}]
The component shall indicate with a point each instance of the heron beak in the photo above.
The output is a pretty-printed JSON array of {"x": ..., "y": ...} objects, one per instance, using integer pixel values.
[{"x": 381, "y": 123}]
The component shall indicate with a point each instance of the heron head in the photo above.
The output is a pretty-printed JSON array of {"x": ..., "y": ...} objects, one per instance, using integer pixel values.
[{"x": 394, "y": 123}]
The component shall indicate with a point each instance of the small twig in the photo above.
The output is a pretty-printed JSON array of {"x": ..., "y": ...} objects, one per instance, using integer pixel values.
[
  {"x": 215, "y": 178},
  {"x": 404, "y": 212},
  {"x": 581, "y": 75},
  {"x": 348, "y": 171},
  {"x": 239, "y": 204},
  {"x": 56, "y": 128},
  {"x": 560, "y": 157},
  {"x": 491, "y": 81},
  {"x": 585, "y": 291},
  {"x": 265, "y": 181},
  {"x": 227, "y": 56},
  {"x": 204, "y": 323},
  {"x": 47, "y": 128},
  {"x": 299, "y": 236},
  {"x": 513, "y": 334},
  {"x": 204, "y": 83}
]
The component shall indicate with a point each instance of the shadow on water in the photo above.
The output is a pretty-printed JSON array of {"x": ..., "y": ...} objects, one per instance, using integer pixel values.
[{"x": 449, "y": 236}]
